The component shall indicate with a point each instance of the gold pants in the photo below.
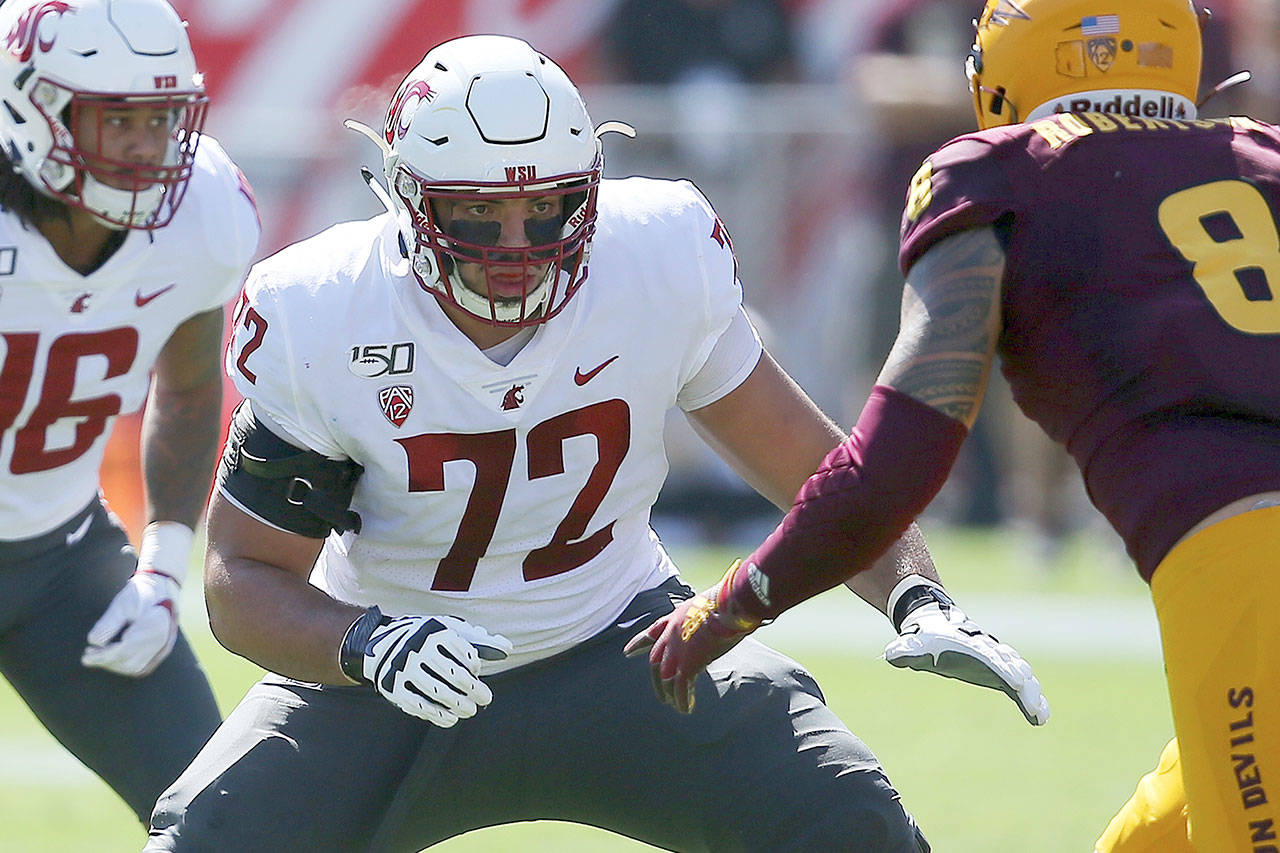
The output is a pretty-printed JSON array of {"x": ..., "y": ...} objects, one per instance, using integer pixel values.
[{"x": 1217, "y": 596}]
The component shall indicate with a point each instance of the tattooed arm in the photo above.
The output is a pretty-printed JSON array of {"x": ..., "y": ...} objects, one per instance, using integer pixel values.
[
  {"x": 950, "y": 323},
  {"x": 869, "y": 489},
  {"x": 181, "y": 426},
  {"x": 942, "y": 358},
  {"x": 867, "y": 492}
]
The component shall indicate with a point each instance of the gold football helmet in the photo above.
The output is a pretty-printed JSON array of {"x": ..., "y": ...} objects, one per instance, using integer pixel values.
[{"x": 1032, "y": 58}]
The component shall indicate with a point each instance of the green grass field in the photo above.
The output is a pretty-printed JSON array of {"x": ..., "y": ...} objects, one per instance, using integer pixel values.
[{"x": 975, "y": 775}]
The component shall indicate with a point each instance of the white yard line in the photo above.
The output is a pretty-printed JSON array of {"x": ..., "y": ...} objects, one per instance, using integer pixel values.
[
  {"x": 1120, "y": 629},
  {"x": 33, "y": 763},
  {"x": 1039, "y": 627}
]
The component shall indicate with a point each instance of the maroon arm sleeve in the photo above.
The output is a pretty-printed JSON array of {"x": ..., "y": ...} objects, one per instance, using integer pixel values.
[{"x": 859, "y": 501}]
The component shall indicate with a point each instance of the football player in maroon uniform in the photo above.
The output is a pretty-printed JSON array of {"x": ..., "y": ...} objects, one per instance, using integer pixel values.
[{"x": 1120, "y": 254}]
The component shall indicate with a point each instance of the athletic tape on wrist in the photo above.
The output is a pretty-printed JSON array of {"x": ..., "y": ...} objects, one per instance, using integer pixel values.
[
  {"x": 166, "y": 549},
  {"x": 728, "y": 601},
  {"x": 912, "y": 592}
]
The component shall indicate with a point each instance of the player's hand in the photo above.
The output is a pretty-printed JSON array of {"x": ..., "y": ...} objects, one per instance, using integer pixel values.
[
  {"x": 936, "y": 636},
  {"x": 683, "y": 642},
  {"x": 140, "y": 626},
  {"x": 426, "y": 666}
]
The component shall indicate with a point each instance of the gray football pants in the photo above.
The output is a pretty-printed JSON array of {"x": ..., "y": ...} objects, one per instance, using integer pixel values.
[
  {"x": 762, "y": 764},
  {"x": 136, "y": 733}
]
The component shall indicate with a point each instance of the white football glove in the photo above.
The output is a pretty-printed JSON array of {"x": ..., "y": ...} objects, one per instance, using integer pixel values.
[
  {"x": 934, "y": 635},
  {"x": 140, "y": 626},
  {"x": 424, "y": 665}
]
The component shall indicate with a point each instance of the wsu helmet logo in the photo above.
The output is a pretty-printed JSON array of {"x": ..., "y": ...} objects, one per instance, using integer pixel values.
[
  {"x": 21, "y": 40},
  {"x": 404, "y": 106}
]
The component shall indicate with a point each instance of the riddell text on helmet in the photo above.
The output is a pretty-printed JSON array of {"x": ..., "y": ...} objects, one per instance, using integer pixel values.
[{"x": 1134, "y": 105}]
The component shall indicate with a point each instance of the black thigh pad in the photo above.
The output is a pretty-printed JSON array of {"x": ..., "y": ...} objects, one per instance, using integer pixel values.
[{"x": 298, "y": 490}]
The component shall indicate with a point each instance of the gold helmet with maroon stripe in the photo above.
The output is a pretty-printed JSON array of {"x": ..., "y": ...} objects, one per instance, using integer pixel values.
[{"x": 1033, "y": 58}]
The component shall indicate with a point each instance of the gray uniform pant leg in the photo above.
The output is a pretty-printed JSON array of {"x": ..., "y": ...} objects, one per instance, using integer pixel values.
[
  {"x": 762, "y": 764},
  {"x": 295, "y": 767},
  {"x": 136, "y": 733}
]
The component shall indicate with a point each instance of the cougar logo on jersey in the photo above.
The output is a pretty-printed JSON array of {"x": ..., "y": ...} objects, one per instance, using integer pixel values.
[
  {"x": 22, "y": 38},
  {"x": 396, "y": 402},
  {"x": 81, "y": 303},
  {"x": 373, "y": 360},
  {"x": 513, "y": 399}
]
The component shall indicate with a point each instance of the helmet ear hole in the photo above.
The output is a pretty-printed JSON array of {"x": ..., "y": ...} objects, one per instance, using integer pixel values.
[{"x": 997, "y": 101}]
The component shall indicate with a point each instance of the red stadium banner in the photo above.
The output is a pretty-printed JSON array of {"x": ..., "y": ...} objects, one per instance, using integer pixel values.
[{"x": 234, "y": 39}]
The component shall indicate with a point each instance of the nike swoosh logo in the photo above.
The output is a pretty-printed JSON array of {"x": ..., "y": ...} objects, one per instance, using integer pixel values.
[
  {"x": 581, "y": 378},
  {"x": 141, "y": 299},
  {"x": 76, "y": 535},
  {"x": 631, "y": 622}
]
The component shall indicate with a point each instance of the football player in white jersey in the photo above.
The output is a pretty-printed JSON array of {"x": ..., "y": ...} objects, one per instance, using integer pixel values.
[
  {"x": 443, "y": 472},
  {"x": 122, "y": 235}
]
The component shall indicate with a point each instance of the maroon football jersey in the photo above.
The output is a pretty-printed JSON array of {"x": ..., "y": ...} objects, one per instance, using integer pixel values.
[{"x": 1141, "y": 303}]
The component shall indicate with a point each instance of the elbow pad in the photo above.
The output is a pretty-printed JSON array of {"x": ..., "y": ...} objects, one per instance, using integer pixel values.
[{"x": 297, "y": 490}]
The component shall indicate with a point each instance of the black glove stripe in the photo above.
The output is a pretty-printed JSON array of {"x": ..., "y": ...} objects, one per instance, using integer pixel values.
[
  {"x": 445, "y": 653},
  {"x": 391, "y": 637},
  {"x": 396, "y": 664},
  {"x": 436, "y": 702}
]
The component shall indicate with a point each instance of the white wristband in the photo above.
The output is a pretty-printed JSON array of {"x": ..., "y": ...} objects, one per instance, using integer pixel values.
[
  {"x": 907, "y": 583},
  {"x": 166, "y": 549}
]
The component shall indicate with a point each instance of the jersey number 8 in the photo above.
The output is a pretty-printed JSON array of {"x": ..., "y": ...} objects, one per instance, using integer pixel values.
[{"x": 1227, "y": 231}]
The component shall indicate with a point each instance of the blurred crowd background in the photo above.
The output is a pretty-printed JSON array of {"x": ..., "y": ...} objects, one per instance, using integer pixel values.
[{"x": 801, "y": 120}]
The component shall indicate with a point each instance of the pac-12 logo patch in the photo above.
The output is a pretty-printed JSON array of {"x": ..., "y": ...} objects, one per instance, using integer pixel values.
[
  {"x": 396, "y": 402},
  {"x": 1102, "y": 52}
]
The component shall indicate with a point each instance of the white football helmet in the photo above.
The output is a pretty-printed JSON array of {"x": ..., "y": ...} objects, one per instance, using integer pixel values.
[
  {"x": 484, "y": 118},
  {"x": 67, "y": 63}
]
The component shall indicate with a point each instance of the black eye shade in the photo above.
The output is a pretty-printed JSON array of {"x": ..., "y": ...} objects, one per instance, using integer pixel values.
[
  {"x": 540, "y": 232},
  {"x": 475, "y": 232}
]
